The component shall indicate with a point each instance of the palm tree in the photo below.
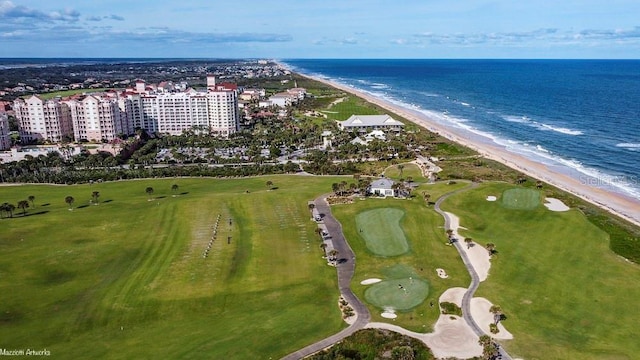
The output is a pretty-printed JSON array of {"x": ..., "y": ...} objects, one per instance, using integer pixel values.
[
  {"x": 69, "y": 200},
  {"x": 497, "y": 313},
  {"x": 23, "y": 204},
  {"x": 333, "y": 254},
  {"x": 311, "y": 207},
  {"x": 450, "y": 235},
  {"x": 269, "y": 184},
  {"x": 31, "y": 200},
  {"x": 335, "y": 188},
  {"x": 468, "y": 240},
  {"x": 95, "y": 195},
  {"x": 426, "y": 197},
  {"x": 323, "y": 246},
  {"x": 10, "y": 208},
  {"x": 149, "y": 191},
  {"x": 174, "y": 188},
  {"x": 401, "y": 168},
  {"x": 491, "y": 248},
  {"x": 489, "y": 347}
]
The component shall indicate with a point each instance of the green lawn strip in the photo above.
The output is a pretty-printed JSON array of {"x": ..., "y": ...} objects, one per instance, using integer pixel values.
[
  {"x": 381, "y": 229},
  {"x": 408, "y": 171},
  {"x": 424, "y": 231},
  {"x": 126, "y": 278},
  {"x": 351, "y": 105},
  {"x": 565, "y": 294}
]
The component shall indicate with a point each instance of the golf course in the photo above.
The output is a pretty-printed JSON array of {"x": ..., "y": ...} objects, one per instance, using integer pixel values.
[
  {"x": 232, "y": 268},
  {"x": 126, "y": 277}
]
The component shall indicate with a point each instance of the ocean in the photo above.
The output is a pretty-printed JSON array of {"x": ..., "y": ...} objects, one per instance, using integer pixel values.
[{"x": 578, "y": 117}]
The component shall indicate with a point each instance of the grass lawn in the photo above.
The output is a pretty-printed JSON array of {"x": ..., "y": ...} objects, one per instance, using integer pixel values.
[
  {"x": 521, "y": 199},
  {"x": 351, "y": 105},
  {"x": 565, "y": 294},
  {"x": 427, "y": 251},
  {"x": 381, "y": 230},
  {"x": 126, "y": 279},
  {"x": 408, "y": 171}
]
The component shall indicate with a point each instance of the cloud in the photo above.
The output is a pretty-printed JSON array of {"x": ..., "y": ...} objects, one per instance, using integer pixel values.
[
  {"x": 87, "y": 34},
  {"x": 114, "y": 17},
  {"x": 12, "y": 12},
  {"x": 549, "y": 36}
]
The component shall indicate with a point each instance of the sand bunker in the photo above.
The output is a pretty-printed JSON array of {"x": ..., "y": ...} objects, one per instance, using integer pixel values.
[
  {"x": 370, "y": 281},
  {"x": 478, "y": 255},
  {"x": 483, "y": 317},
  {"x": 555, "y": 205},
  {"x": 453, "y": 295},
  {"x": 491, "y": 198},
  {"x": 389, "y": 315},
  {"x": 442, "y": 273}
]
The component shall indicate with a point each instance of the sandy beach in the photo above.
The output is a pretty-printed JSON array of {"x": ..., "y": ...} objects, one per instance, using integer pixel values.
[{"x": 623, "y": 206}]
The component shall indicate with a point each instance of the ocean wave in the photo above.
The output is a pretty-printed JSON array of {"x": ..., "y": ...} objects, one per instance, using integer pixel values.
[
  {"x": 517, "y": 119},
  {"x": 464, "y": 104},
  {"x": 561, "y": 130},
  {"x": 541, "y": 126},
  {"x": 629, "y": 146},
  {"x": 379, "y": 86}
]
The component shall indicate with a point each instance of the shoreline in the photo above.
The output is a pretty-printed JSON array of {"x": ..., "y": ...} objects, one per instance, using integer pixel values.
[{"x": 622, "y": 206}]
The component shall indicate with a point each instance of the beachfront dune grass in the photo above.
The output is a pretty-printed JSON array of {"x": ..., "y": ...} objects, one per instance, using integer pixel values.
[
  {"x": 127, "y": 279},
  {"x": 424, "y": 231},
  {"x": 381, "y": 229},
  {"x": 564, "y": 293}
]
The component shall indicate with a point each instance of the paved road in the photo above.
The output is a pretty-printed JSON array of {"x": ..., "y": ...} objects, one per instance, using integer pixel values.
[
  {"x": 345, "y": 268},
  {"x": 475, "y": 280}
]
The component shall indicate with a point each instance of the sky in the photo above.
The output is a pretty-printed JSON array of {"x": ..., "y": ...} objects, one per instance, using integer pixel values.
[{"x": 282, "y": 29}]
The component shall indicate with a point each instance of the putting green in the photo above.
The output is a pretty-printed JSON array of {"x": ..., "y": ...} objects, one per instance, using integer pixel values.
[
  {"x": 381, "y": 231},
  {"x": 398, "y": 294},
  {"x": 521, "y": 199}
]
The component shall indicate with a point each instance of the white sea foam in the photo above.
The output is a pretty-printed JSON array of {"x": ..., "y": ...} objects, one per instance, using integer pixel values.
[
  {"x": 464, "y": 104},
  {"x": 517, "y": 119},
  {"x": 561, "y": 130},
  {"x": 379, "y": 86},
  {"x": 629, "y": 146}
]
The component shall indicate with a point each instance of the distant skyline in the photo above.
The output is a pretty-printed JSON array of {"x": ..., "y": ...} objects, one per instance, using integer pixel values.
[{"x": 568, "y": 29}]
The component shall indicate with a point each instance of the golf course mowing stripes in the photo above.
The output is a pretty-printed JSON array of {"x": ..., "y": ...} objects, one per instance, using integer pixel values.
[
  {"x": 382, "y": 232},
  {"x": 520, "y": 199},
  {"x": 397, "y": 294}
]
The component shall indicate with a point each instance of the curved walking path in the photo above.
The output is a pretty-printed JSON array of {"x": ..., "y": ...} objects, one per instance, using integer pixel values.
[
  {"x": 345, "y": 267},
  {"x": 475, "y": 279}
]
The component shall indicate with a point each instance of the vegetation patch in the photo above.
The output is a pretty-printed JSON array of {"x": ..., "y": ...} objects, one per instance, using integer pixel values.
[
  {"x": 449, "y": 308},
  {"x": 376, "y": 344}
]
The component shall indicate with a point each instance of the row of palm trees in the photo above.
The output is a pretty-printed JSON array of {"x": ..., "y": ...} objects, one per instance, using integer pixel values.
[{"x": 8, "y": 208}]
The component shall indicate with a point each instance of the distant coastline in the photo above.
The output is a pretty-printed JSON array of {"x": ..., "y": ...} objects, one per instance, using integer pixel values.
[{"x": 623, "y": 206}]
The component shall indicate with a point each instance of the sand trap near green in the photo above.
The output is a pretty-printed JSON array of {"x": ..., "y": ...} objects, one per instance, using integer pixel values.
[
  {"x": 397, "y": 294},
  {"x": 521, "y": 199},
  {"x": 382, "y": 232}
]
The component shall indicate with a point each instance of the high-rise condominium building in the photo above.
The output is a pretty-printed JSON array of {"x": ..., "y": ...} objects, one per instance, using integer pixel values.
[
  {"x": 45, "y": 120},
  {"x": 104, "y": 116},
  {"x": 5, "y": 142}
]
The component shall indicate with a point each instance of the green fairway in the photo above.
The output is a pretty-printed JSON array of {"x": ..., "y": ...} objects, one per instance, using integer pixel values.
[
  {"x": 564, "y": 293},
  {"x": 398, "y": 294},
  {"x": 382, "y": 231},
  {"x": 127, "y": 279},
  {"x": 520, "y": 199}
]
